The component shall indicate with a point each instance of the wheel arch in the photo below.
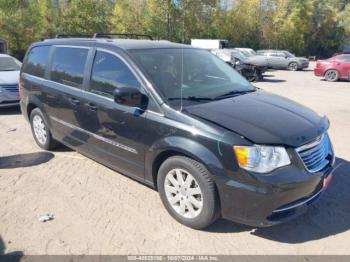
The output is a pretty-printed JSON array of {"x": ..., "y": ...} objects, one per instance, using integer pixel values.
[
  {"x": 34, "y": 102},
  {"x": 331, "y": 68},
  {"x": 30, "y": 107},
  {"x": 294, "y": 62},
  {"x": 169, "y": 147}
]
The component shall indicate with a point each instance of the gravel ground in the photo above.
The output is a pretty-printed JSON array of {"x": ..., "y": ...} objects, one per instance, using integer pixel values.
[{"x": 98, "y": 211}]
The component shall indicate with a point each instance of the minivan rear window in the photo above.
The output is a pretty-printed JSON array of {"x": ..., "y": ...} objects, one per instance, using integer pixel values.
[
  {"x": 36, "y": 61},
  {"x": 68, "y": 66}
]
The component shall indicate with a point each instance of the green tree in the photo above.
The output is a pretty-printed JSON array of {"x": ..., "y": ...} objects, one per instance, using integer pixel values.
[
  {"x": 129, "y": 16},
  {"x": 243, "y": 25},
  {"x": 88, "y": 16},
  {"x": 292, "y": 23},
  {"x": 23, "y": 22},
  {"x": 346, "y": 24},
  {"x": 328, "y": 33}
]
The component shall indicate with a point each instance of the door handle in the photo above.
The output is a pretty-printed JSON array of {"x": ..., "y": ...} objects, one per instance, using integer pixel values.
[
  {"x": 74, "y": 101},
  {"x": 91, "y": 107}
]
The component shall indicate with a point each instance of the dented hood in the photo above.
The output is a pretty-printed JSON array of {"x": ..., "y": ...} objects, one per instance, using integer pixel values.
[{"x": 264, "y": 118}]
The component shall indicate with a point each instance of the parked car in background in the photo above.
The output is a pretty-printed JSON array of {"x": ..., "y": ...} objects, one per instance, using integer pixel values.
[
  {"x": 9, "y": 75},
  {"x": 247, "y": 51},
  {"x": 251, "y": 58},
  {"x": 252, "y": 68},
  {"x": 281, "y": 59},
  {"x": 334, "y": 68}
]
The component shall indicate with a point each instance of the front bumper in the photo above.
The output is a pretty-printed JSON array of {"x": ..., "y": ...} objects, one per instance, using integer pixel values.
[
  {"x": 304, "y": 65},
  {"x": 273, "y": 199},
  {"x": 8, "y": 98}
]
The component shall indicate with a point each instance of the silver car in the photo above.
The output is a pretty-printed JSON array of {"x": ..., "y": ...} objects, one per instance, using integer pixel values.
[
  {"x": 9, "y": 75},
  {"x": 281, "y": 59}
]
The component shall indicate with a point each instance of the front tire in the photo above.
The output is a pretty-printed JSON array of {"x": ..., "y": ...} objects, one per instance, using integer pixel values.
[
  {"x": 331, "y": 75},
  {"x": 293, "y": 66},
  {"x": 187, "y": 192},
  {"x": 40, "y": 130}
]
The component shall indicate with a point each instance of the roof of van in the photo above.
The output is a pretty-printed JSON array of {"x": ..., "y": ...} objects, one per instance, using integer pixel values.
[{"x": 127, "y": 44}]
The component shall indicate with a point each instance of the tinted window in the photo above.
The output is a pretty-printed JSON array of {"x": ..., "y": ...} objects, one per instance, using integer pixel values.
[
  {"x": 36, "y": 61},
  {"x": 68, "y": 66},
  {"x": 108, "y": 73}
]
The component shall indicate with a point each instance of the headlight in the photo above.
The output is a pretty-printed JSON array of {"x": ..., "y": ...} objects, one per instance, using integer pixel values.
[{"x": 261, "y": 159}]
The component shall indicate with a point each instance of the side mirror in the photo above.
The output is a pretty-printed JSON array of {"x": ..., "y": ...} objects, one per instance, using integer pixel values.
[{"x": 130, "y": 96}]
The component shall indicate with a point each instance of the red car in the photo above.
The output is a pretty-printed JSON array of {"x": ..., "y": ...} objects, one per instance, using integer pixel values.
[{"x": 334, "y": 68}]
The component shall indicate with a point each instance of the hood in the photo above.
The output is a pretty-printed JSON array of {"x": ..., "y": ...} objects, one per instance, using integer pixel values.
[
  {"x": 9, "y": 77},
  {"x": 264, "y": 118},
  {"x": 257, "y": 60}
]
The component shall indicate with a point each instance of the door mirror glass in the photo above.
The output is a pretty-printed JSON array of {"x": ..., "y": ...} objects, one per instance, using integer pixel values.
[{"x": 130, "y": 96}]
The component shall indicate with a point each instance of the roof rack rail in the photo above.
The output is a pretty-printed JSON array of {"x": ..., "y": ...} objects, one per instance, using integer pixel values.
[
  {"x": 74, "y": 35},
  {"x": 131, "y": 35}
]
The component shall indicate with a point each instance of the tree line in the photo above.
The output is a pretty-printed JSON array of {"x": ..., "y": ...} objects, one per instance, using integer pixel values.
[{"x": 306, "y": 27}]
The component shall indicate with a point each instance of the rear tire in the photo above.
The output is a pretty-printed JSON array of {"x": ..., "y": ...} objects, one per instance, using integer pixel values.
[
  {"x": 331, "y": 75},
  {"x": 40, "y": 130},
  {"x": 187, "y": 192}
]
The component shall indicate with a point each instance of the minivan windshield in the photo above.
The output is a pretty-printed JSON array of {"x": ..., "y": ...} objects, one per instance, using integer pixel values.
[
  {"x": 187, "y": 76},
  {"x": 9, "y": 64}
]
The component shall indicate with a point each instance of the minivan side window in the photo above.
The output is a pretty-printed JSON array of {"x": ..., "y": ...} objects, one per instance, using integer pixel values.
[
  {"x": 68, "y": 66},
  {"x": 36, "y": 61},
  {"x": 108, "y": 73}
]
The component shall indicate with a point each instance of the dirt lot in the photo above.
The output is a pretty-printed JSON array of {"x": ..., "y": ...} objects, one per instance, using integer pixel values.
[{"x": 98, "y": 211}]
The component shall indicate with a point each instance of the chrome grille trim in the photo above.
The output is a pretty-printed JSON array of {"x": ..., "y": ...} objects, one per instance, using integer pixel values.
[
  {"x": 317, "y": 154},
  {"x": 10, "y": 88}
]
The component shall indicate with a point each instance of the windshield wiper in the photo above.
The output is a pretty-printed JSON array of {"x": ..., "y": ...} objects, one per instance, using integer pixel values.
[
  {"x": 234, "y": 93},
  {"x": 191, "y": 98}
]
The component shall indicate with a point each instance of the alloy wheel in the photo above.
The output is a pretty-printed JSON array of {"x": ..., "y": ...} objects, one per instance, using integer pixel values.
[
  {"x": 183, "y": 193},
  {"x": 39, "y": 129},
  {"x": 331, "y": 75}
]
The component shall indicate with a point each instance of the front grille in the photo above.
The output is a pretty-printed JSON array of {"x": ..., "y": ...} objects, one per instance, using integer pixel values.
[
  {"x": 317, "y": 154},
  {"x": 10, "y": 88}
]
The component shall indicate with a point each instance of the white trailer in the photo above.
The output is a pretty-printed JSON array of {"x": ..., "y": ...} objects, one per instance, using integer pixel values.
[{"x": 209, "y": 43}]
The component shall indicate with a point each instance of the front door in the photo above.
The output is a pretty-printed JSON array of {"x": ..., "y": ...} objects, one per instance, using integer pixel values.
[{"x": 116, "y": 131}]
